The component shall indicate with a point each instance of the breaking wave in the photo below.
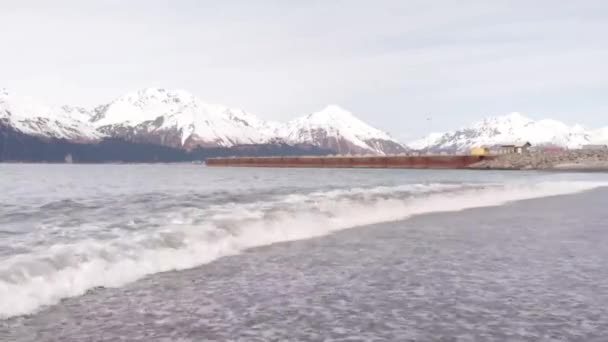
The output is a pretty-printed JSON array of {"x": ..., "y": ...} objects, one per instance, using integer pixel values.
[{"x": 193, "y": 236}]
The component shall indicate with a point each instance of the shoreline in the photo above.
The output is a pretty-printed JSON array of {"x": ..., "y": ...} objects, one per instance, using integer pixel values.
[
  {"x": 332, "y": 276},
  {"x": 566, "y": 161}
]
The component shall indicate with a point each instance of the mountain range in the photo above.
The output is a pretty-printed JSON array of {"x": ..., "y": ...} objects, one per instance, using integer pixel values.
[
  {"x": 156, "y": 124},
  {"x": 512, "y": 128},
  {"x": 179, "y": 120}
]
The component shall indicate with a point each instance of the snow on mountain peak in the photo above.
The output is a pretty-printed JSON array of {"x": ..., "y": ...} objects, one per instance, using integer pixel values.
[
  {"x": 515, "y": 116},
  {"x": 337, "y": 127},
  {"x": 181, "y": 117},
  {"x": 333, "y": 111},
  {"x": 334, "y": 117},
  {"x": 180, "y": 114},
  {"x": 30, "y": 117},
  {"x": 339, "y": 121},
  {"x": 508, "y": 128},
  {"x": 158, "y": 95},
  {"x": 514, "y": 119},
  {"x": 142, "y": 105}
]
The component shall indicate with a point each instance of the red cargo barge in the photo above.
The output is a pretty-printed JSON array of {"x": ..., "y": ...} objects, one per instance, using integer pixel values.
[{"x": 403, "y": 162}]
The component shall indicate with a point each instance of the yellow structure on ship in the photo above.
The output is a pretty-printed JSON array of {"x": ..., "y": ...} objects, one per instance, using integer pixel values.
[{"x": 480, "y": 151}]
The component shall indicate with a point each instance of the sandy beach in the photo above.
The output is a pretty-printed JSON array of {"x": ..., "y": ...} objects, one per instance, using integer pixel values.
[{"x": 527, "y": 271}]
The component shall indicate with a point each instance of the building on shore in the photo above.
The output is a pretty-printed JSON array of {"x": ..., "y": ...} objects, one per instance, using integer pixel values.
[{"x": 518, "y": 148}]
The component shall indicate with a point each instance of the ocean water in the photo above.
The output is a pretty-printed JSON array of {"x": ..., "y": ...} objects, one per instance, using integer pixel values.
[{"x": 184, "y": 252}]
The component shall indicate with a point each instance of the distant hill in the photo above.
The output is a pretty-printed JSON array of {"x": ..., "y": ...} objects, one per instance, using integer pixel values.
[
  {"x": 511, "y": 128},
  {"x": 167, "y": 125},
  {"x": 16, "y": 146}
]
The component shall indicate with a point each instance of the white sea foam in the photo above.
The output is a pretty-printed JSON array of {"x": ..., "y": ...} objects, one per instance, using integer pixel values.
[{"x": 197, "y": 236}]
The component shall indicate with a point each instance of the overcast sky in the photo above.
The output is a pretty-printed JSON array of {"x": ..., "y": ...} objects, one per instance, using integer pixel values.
[{"x": 392, "y": 63}]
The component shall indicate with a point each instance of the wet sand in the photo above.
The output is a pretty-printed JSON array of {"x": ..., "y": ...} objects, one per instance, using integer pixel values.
[{"x": 528, "y": 271}]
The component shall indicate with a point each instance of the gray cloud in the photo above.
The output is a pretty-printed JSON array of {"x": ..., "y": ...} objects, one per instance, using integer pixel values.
[{"x": 391, "y": 62}]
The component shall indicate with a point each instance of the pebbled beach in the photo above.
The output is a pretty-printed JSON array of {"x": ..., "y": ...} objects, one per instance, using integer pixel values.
[{"x": 572, "y": 160}]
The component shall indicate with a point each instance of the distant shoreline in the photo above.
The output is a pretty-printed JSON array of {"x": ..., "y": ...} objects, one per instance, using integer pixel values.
[
  {"x": 567, "y": 162},
  {"x": 563, "y": 161}
]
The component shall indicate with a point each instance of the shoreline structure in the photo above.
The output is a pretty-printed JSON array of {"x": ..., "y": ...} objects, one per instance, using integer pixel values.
[
  {"x": 371, "y": 162},
  {"x": 572, "y": 160}
]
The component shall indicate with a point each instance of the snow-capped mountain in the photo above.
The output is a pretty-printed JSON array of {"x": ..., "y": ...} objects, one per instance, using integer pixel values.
[
  {"x": 178, "y": 119},
  {"x": 29, "y": 117},
  {"x": 511, "y": 128},
  {"x": 339, "y": 130}
]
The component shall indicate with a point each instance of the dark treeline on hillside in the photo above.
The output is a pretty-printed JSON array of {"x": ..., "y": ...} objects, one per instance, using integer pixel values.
[{"x": 18, "y": 147}]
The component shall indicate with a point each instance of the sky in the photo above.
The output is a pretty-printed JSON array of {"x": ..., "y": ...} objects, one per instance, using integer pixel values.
[{"x": 405, "y": 66}]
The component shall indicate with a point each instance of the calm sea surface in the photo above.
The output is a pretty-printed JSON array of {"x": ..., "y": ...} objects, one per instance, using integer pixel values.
[{"x": 188, "y": 253}]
